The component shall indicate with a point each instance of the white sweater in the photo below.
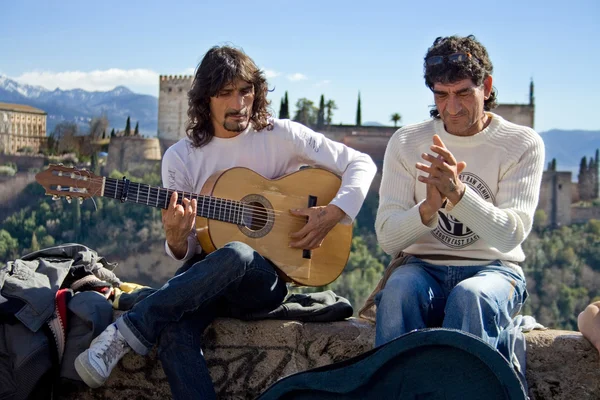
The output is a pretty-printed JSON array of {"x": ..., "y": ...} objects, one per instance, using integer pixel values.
[
  {"x": 504, "y": 170},
  {"x": 271, "y": 153}
]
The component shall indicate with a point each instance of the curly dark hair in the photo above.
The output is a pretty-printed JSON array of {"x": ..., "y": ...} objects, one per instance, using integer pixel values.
[
  {"x": 220, "y": 66},
  {"x": 477, "y": 68}
]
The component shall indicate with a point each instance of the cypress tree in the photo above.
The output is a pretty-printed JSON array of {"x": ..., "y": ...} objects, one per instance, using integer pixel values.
[
  {"x": 281, "y": 105},
  {"x": 286, "y": 108},
  {"x": 321, "y": 113},
  {"x": 358, "y": 112},
  {"x": 128, "y": 127}
]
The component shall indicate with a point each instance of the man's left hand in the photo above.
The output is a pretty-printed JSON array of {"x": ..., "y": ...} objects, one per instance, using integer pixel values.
[
  {"x": 443, "y": 171},
  {"x": 320, "y": 221}
]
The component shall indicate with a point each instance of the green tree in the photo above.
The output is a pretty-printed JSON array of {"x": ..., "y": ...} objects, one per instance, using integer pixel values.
[
  {"x": 76, "y": 220},
  {"x": 330, "y": 106},
  {"x": 137, "y": 129},
  {"x": 395, "y": 118},
  {"x": 582, "y": 180},
  {"x": 281, "y": 106},
  {"x": 358, "y": 112},
  {"x": 112, "y": 133},
  {"x": 62, "y": 138},
  {"x": 321, "y": 113},
  {"x": 128, "y": 127},
  {"x": 35, "y": 246},
  {"x": 8, "y": 245},
  {"x": 597, "y": 175},
  {"x": 540, "y": 220},
  {"x": 94, "y": 167},
  {"x": 284, "y": 109},
  {"x": 306, "y": 112}
]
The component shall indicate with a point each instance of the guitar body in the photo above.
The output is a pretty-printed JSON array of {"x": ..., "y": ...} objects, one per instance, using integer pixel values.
[
  {"x": 267, "y": 226},
  {"x": 235, "y": 205}
]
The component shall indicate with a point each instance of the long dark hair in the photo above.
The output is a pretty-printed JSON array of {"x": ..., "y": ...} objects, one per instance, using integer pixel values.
[
  {"x": 477, "y": 68},
  {"x": 220, "y": 66}
]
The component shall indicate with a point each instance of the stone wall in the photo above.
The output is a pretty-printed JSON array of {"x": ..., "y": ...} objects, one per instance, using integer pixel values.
[
  {"x": 522, "y": 114},
  {"x": 132, "y": 153},
  {"x": 23, "y": 162},
  {"x": 581, "y": 215},
  {"x": 173, "y": 106},
  {"x": 245, "y": 358},
  {"x": 555, "y": 197}
]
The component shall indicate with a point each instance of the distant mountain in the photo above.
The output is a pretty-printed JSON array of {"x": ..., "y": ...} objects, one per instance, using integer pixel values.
[
  {"x": 80, "y": 106},
  {"x": 569, "y": 147},
  {"x": 372, "y": 123}
]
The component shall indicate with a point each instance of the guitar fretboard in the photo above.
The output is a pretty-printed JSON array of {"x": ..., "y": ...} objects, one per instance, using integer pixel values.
[{"x": 208, "y": 207}]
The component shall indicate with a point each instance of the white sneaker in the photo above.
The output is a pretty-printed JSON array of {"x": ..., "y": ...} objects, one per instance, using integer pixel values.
[{"x": 96, "y": 363}]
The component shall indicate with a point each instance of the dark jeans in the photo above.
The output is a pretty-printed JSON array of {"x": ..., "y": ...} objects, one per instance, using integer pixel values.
[{"x": 227, "y": 282}]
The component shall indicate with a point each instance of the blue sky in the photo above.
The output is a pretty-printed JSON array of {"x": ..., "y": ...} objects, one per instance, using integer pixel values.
[{"x": 309, "y": 48}]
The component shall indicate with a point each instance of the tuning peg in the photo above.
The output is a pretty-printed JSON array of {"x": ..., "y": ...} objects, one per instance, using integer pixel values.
[
  {"x": 55, "y": 197},
  {"x": 81, "y": 200},
  {"x": 68, "y": 199}
]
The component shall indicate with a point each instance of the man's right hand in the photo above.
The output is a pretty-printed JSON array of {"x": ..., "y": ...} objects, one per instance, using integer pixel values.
[
  {"x": 179, "y": 220},
  {"x": 434, "y": 200}
]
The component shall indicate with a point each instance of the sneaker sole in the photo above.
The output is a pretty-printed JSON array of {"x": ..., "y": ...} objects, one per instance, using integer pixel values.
[{"x": 86, "y": 372}]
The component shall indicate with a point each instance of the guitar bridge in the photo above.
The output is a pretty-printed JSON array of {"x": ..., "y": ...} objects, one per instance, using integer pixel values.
[{"x": 312, "y": 201}]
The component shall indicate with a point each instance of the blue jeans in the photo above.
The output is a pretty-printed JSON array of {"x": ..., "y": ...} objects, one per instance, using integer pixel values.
[
  {"x": 481, "y": 300},
  {"x": 227, "y": 282}
]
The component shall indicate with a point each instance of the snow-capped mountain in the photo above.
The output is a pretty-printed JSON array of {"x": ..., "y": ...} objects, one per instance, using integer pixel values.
[{"x": 80, "y": 106}]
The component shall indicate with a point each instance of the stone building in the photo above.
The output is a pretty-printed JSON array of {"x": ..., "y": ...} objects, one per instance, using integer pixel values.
[
  {"x": 172, "y": 108},
  {"x": 556, "y": 197},
  {"x": 134, "y": 154},
  {"x": 21, "y": 127},
  {"x": 522, "y": 114}
]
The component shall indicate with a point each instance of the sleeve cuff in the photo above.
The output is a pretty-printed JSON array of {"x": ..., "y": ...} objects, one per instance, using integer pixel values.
[{"x": 191, "y": 249}]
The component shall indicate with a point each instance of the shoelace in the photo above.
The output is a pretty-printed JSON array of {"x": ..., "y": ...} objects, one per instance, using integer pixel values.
[{"x": 113, "y": 350}]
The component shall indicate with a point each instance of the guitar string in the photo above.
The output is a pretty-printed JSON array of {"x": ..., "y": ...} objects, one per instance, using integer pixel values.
[
  {"x": 223, "y": 207},
  {"x": 147, "y": 188}
]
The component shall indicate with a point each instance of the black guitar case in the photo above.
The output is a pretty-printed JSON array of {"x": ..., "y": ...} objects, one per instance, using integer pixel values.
[{"x": 421, "y": 365}]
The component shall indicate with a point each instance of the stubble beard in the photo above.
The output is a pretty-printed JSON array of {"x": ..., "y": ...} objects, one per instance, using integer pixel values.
[
  {"x": 459, "y": 127},
  {"x": 236, "y": 126}
]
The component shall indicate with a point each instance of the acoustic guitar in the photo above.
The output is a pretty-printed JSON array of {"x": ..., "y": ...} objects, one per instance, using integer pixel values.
[{"x": 236, "y": 205}]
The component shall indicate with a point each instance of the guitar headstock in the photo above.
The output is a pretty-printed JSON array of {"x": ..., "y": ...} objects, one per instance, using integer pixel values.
[{"x": 69, "y": 182}]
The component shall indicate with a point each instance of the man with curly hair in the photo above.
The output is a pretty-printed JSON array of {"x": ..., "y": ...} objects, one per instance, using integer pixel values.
[
  {"x": 229, "y": 126},
  {"x": 457, "y": 199}
]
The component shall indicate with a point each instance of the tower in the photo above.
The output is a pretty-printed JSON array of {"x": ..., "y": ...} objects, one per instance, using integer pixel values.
[{"x": 172, "y": 108}]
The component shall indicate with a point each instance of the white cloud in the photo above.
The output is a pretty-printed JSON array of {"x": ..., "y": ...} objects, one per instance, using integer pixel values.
[
  {"x": 269, "y": 73},
  {"x": 322, "y": 83},
  {"x": 100, "y": 80},
  {"x": 297, "y": 77}
]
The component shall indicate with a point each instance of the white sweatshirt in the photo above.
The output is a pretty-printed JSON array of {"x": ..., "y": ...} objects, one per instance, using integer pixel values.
[
  {"x": 503, "y": 175},
  {"x": 272, "y": 154}
]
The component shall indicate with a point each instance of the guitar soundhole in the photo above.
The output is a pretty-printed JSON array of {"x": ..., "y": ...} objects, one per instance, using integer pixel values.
[{"x": 258, "y": 216}]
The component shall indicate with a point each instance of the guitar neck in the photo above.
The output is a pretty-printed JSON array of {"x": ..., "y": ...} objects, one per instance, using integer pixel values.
[{"x": 208, "y": 206}]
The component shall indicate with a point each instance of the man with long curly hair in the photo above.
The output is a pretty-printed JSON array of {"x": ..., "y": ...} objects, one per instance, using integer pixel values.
[
  {"x": 229, "y": 126},
  {"x": 457, "y": 199}
]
